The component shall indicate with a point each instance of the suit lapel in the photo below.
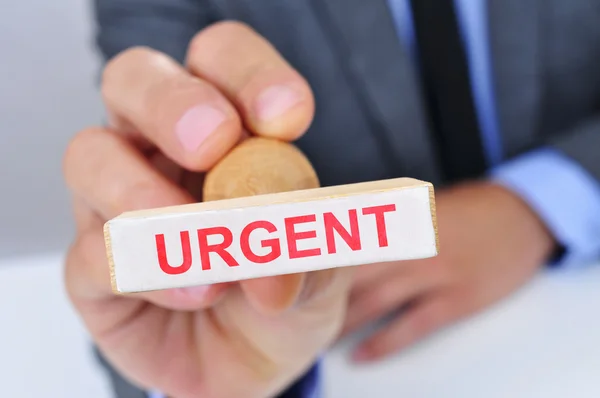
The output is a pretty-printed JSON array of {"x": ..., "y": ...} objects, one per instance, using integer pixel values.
[
  {"x": 515, "y": 48},
  {"x": 380, "y": 69}
]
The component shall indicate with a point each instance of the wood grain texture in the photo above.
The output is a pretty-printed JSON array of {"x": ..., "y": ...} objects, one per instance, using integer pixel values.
[{"x": 259, "y": 166}]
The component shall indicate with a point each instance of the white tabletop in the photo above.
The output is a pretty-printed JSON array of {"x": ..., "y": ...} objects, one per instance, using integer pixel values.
[{"x": 542, "y": 342}]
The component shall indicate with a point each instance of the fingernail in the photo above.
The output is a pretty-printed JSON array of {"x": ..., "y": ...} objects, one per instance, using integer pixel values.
[
  {"x": 197, "y": 124},
  {"x": 196, "y": 292},
  {"x": 275, "y": 101}
]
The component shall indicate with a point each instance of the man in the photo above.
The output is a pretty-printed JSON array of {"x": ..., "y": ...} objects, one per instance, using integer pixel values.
[{"x": 496, "y": 102}]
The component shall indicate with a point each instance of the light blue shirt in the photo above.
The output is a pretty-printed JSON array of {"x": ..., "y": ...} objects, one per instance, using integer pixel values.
[{"x": 565, "y": 197}]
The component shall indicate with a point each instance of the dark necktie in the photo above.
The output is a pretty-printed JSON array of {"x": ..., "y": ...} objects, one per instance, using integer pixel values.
[{"x": 447, "y": 89}]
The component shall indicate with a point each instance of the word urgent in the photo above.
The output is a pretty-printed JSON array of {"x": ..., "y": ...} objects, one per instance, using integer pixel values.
[{"x": 279, "y": 242}]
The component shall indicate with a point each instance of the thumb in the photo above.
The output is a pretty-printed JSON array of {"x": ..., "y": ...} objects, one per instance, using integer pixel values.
[{"x": 273, "y": 295}]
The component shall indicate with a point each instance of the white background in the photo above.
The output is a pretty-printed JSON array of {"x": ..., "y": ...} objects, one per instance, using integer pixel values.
[{"x": 48, "y": 75}]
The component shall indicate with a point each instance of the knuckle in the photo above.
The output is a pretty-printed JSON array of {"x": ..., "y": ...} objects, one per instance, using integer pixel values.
[
  {"x": 77, "y": 151},
  {"x": 161, "y": 94},
  {"x": 120, "y": 68}
]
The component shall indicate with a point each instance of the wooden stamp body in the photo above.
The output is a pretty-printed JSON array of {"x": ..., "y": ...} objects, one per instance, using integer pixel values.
[{"x": 272, "y": 234}]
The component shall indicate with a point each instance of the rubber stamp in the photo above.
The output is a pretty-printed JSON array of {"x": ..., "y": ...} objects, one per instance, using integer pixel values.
[{"x": 263, "y": 213}]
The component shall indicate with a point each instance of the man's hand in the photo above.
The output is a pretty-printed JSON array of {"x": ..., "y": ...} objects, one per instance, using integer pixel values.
[
  {"x": 168, "y": 125},
  {"x": 491, "y": 244}
]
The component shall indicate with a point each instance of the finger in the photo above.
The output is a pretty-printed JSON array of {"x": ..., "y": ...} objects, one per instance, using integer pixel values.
[
  {"x": 112, "y": 177},
  {"x": 419, "y": 321},
  {"x": 187, "y": 118},
  {"x": 109, "y": 175},
  {"x": 386, "y": 295},
  {"x": 273, "y": 98},
  {"x": 274, "y": 295},
  {"x": 87, "y": 279}
]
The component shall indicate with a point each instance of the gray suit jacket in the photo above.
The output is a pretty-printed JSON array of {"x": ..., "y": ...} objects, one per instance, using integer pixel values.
[{"x": 369, "y": 121}]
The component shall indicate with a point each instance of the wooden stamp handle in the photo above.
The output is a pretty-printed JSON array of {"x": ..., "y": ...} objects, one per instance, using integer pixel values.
[
  {"x": 259, "y": 166},
  {"x": 267, "y": 185}
]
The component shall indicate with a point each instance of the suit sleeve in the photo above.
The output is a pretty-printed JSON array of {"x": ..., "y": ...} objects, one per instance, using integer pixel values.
[
  {"x": 561, "y": 182},
  {"x": 166, "y": 26}
]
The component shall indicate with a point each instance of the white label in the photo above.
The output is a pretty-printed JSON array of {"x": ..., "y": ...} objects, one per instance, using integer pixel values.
[{"x": 187, "y": 249}]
